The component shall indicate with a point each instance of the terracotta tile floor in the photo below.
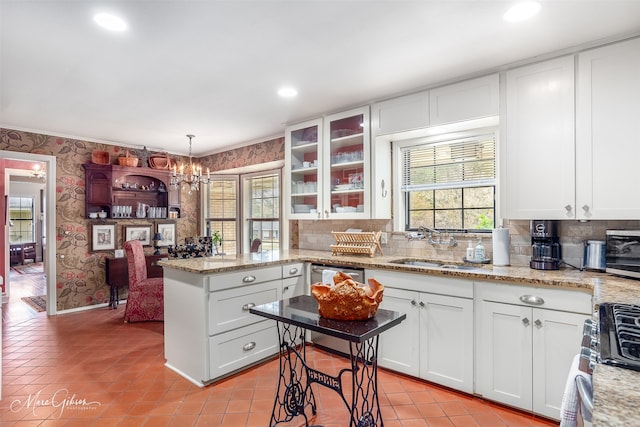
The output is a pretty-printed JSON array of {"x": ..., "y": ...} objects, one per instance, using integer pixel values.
[{"x": 118, "y": 369}]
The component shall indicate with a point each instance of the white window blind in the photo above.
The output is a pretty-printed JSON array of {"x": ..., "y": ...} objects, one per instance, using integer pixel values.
[{"x": 456, "y": 163}]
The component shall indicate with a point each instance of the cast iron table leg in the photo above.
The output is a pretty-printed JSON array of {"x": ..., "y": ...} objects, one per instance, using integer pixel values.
[
  {"x": 294, "y": 391},
  {"x": 365, "y": 406}
]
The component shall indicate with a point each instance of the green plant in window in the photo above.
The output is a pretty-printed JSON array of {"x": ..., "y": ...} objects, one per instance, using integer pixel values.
[
  {"x": 216, "y": 238},
  {"x": 484, "y": 222}
]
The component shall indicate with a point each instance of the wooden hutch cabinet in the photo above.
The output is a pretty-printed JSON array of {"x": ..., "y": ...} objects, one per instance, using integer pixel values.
[{"x": 113, "y": 185}]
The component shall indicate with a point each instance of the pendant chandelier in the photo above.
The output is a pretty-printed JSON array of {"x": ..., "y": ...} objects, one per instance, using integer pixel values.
[{"x": 192, "y": 176}]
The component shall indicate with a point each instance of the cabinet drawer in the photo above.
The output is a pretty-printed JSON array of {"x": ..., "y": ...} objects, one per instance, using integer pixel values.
[
  {"x": 222, "y": 281},
  {"x": 236, "y": 349},
  {"x": 292, "y": 270},
  {"x": 229, "y": 309}
]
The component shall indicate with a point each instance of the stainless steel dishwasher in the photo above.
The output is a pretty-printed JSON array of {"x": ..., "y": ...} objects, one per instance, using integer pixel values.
[{"x": 329, "y": 343}]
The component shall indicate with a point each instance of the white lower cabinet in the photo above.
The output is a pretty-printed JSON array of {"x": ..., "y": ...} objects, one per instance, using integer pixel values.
[
  {"x": 524, "y": 353},
  {"x": 209, "y": 331},
  {"x": 435, "y": 342}
]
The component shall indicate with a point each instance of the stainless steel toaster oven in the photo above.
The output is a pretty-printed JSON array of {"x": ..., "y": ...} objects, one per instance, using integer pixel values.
[{"x": 623, "y": 253}]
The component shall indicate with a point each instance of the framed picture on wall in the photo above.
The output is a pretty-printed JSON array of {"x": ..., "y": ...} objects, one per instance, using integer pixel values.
[
  {"x": 103, "y": 237},
  {"x": 142, "y": 233},
  {"x": 168, "y": 232}
]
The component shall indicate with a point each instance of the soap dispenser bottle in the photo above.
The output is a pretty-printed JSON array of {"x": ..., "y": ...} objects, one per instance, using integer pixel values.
[
  {"x": 470, "y": 252},
  {"x": 479, "y": 252}
]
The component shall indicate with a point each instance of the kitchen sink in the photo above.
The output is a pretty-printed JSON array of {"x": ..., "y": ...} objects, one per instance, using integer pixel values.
[{"x": 432, "y": 264}]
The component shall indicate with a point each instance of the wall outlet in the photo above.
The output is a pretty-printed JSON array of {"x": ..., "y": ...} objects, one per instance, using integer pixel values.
[{"x": 383, "y": 238}]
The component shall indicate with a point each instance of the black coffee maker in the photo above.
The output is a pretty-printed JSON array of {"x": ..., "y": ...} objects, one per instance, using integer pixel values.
[{"x": 545, "y": 246}]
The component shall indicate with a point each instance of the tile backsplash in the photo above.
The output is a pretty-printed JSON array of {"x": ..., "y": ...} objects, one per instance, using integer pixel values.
[{"x": 316, "y": 235}]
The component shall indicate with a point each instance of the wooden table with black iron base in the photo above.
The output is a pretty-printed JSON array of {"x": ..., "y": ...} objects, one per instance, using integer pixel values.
[{"x": 294, "y": 317}]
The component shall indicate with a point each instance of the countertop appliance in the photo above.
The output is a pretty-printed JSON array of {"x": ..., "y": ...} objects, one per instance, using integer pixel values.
[
  {"x": 594, "y": 255},
  {"x": 545, "y": 246},
  {"x": 623, "y": 253},
  {"x": 326, "y": 342}
]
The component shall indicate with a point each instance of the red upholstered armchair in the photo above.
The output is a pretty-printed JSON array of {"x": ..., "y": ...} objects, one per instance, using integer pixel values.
[{"x": 146, "y": 296}]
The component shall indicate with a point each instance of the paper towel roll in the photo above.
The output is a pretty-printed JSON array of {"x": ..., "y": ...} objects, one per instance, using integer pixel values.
[{"x": 500, "y": 240}]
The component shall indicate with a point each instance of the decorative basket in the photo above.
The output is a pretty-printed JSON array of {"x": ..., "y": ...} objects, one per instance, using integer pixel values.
[
  {"x": 127, "y": 160},
  {"x": 347, "y": 299},
  {"x": 160, "y": 161},
  {"x": 100, "y": 157}
]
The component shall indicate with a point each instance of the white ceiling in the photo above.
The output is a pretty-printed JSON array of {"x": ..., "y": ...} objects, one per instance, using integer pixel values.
[{"x": 212, "y": 68}]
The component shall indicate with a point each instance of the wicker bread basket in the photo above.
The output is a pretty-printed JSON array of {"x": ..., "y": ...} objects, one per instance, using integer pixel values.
[
  {"x": 127, "y": 160},
  {"x": 347, "y": 299}
]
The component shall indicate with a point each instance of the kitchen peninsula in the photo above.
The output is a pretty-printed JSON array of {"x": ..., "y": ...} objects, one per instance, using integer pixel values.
[{"x": 209, "y": 332}]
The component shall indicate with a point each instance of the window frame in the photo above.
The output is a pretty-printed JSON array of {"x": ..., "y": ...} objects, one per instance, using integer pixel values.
[
  {"x": 243, "y": 200},
  {"x": 400, "y": 200},
  {"x": 16, "y": 221},
  {"x": 247, "y": 204}
]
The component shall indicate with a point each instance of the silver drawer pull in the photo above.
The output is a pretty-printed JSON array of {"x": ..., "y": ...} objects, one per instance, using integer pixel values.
[
  {"x": 531, "y": 299},
  {"x": 525, "y": 321},
  {"x": 249, "y": 346},
  {"x": 538, "y": 323},
  {"x": 293, "y": 270},
  {"x": 249, "y": 279},
  {"x": 248, "y": 306}
]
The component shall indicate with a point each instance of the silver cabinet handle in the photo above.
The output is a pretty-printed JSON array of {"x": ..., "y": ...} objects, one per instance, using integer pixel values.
[
  {"x": 293, "y": 270},
  {"x": 285, "y": 289},
  {"x": 249, "y": 279},
  {"x": 422, "y": 304},
  {"x": 531, "y": 299},
  {"x": 585, "y": 208},
  {"x": 326, "y": 214},
  {"x": 248, "y": 306},
  {"x": 538, "y": 323},
  {"x": 525, "y": 321},
  {"x": 249, "y": 346},
  {"x": 413, "y": 302},
  {"x": 568, "y": 208},
  {"x": 384, "y": 192}
]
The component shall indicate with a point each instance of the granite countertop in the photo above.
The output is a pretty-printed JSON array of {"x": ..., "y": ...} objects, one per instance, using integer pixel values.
[
  {"x": 604, "y": 287},
  {"x": 616, "y": 398}
]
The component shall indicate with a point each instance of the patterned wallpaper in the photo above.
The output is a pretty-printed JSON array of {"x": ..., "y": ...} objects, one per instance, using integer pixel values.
[{"x": 80, "y": 277}]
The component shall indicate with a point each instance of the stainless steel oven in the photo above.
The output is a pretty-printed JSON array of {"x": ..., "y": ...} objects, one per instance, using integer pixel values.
[{"x": 332, "y": 344}]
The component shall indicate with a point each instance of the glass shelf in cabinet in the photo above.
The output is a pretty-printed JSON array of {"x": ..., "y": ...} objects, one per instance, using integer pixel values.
[{"x": 305, "y": 147}]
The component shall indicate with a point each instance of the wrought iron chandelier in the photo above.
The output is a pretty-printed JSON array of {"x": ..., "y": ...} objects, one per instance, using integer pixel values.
[{"x": 192, "y": 176}]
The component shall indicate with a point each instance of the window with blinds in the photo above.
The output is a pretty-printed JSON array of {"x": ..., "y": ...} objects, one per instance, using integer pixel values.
[
  {"x": 264, "y": 212},
  {"x": 222, "y": 212},
  {"x": 450, "y": 184}
]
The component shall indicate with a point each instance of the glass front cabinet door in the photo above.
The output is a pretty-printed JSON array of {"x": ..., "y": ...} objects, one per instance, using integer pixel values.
[
  {"x": 326, "y": 164},
  {"x": 346, "y": 154},
  {"x": 303, "y": 170}
]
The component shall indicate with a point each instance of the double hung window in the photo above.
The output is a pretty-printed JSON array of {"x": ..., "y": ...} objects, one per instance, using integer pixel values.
[
  {"x": 21, "y": 220},
  {"x": 448, "y": 182}
]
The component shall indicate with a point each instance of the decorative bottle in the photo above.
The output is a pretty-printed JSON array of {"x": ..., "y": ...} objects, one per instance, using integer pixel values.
[{"x": 479, "y": 252}]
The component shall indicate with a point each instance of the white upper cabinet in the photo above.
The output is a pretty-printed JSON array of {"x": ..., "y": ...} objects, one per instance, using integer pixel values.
[
  {"x": 328, "y": 167},
  {"x": 303, "y": 175},
  {"x": 347, "y": 185},
  {"x": 608, "y": 132},
  {"x": 400, "y": 114},
  {"x": 467, "y": 100},
  {"x": 539, "y": 148}
]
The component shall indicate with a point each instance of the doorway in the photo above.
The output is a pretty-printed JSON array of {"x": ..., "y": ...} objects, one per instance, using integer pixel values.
[{"x": 21, "y": 184}]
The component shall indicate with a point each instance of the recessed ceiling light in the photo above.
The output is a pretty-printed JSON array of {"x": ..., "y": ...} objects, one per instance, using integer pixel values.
[
  {"x": 110, "y": 22},
  {"x": 521, "y": 11},
  {"x": 287, "y": 92}
]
